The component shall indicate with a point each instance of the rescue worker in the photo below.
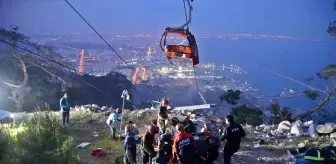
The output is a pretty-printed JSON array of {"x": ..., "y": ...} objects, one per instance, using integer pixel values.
[
  {"x": 65, "y": 108},
  {"x": 202, "y": 147},
  {"x": 165, "y": 102},
  {"x": 163, "y": 118},
  {"x": 112, "y": 120},
  {"x": 129, "y": 127},
  {"x": 184, "y": 147},
  {"x": 148, "y": 145},
  {"x": 165, "y": 148},
  {"x": 130, "y": 149},
  {"x": 213, "y": 145},
  {"x": 174, "y": 122},
  {"x": 189, "y": 126},
  {"x": 232, "y": 136}
]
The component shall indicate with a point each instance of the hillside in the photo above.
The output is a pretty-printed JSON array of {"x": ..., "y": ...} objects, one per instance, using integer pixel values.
[{"x": 263, "y": 144}]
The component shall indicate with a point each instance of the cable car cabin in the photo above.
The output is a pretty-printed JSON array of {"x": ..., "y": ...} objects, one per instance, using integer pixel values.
[{"x": 180, "y": 51}]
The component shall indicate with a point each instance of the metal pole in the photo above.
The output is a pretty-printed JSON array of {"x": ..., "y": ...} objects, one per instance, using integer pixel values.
[{"x": 122, "y": 114}]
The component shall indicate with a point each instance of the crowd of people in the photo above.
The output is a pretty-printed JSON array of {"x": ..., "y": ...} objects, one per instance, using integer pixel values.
[{"x": 160, "y": 144}]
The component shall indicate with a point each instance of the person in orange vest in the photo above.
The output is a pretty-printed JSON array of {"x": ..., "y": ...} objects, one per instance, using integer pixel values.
[{"x": 184, "y": 147}]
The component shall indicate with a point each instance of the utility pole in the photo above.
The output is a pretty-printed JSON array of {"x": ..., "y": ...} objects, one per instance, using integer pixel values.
[{"x": 124, "y": 95}]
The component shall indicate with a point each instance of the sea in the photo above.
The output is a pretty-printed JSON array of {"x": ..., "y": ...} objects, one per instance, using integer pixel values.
[{"x": 293, "y": 58}]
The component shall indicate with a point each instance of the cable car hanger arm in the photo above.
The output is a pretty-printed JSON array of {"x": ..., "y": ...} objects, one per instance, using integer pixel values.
[{"x": 188, "y": 18}]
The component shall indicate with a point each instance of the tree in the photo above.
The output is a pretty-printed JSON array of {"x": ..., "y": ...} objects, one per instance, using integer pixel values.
[
  {"x": 327, "y": 73},
  {"x": 244, "y": 114},
  {"x": 230, "y": 97},
  {"x": 279, "y": 114},
  {"x": 18, "y": 66}
]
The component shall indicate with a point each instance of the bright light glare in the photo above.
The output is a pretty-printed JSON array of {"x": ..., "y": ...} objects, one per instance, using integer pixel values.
[{"x": 11, "y": 115}]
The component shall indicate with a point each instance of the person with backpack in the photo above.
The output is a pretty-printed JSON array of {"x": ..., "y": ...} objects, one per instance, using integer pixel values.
[
  {"x": 148, "y": 145},
  {"x": 165, "y": 148},
  {"x": 112, "y": 119},
  {"x": 184, "y": 147},
  {"x": 213, "y": 145},
  {"x": 65, "y": 108},
  {"x": 232, "y": 137},
  {"x": 130, "y": 149}
]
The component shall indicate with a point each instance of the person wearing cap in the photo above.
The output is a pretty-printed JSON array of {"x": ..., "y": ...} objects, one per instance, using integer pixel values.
[
  {"x": 112, "y": 119},
  {"x": 130, "y": 149},
  {"x": 65, "y": 108},
  {"x": 213, "y": 145},
  {"x": 232, "y": 136},
  {"x": 184, "y": 147},
  {"x": 148, "y": 152}
]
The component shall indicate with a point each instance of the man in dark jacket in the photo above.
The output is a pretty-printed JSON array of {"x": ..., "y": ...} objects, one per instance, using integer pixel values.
[
  {"x": 165, "y": 146},
  {"x": 213, "y": 146},
  {"x": 65, "y": 108},
  {"x": 148, "y": 145},
  {"x": 130, "y": 149},
  {"x": 232, "y": 135}
]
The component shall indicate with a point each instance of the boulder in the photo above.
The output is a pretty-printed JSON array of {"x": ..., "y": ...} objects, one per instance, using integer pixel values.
[
  {"x": 104, "y": 108},
  {"x": 284, "y": 126},
  {"x": 333, "y": 135},
  {"x": 327, "y": 128},
  {"x": 312, "y": 132},
  {"x": 308, "y": 123},
  {"x": 297, "y": 130}
]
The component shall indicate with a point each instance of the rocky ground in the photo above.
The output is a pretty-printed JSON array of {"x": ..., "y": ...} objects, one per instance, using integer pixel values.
[{"x": 263, "y": 144}]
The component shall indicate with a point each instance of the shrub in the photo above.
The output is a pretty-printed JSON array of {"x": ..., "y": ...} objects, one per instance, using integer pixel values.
[
  {"x": 244, "y": 114},
  {"x": 3, "y": 144},
  {"x": 41, "y": 139}
]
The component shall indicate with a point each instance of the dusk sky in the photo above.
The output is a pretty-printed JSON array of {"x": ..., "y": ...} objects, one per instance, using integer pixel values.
[{"x": 297, "y": 18}]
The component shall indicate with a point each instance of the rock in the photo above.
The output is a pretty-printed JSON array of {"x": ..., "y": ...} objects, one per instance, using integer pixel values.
[
  {"x": 95, "y": 106},
  {"x": 301, "y": 145},
  {"x": 333, "y": 135},
  {"x": 312, "y": 131},
  {"x": 308, "y": 123},
  {"x": 284, "y": 126},
  {"x": 327, "y": 128},
  {"x": 104, "y": 108},
  {"x": 297, "y": 130},
  {"x": 298, "y": 123}
]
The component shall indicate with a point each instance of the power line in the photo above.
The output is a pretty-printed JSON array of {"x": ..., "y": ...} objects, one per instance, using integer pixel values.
[
  {"x": 98, "y": 34},
  {"x": 50, "y": 60},
  {"x": 106, "y": 44}
]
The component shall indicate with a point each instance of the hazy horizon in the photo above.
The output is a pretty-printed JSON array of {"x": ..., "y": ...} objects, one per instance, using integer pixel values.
[{"x": 299, "y": 18}]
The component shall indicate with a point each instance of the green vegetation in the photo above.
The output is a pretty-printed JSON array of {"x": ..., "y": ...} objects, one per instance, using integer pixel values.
[
  {"x": 244, "y": 114},
  {"x": 40, "y": 139},
  {"x": 279, "y": 114},
  {"x": 231, "y": 97}
]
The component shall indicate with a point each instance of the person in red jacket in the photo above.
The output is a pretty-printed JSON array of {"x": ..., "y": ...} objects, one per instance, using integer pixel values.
[{"x": 184, "y": 146}]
